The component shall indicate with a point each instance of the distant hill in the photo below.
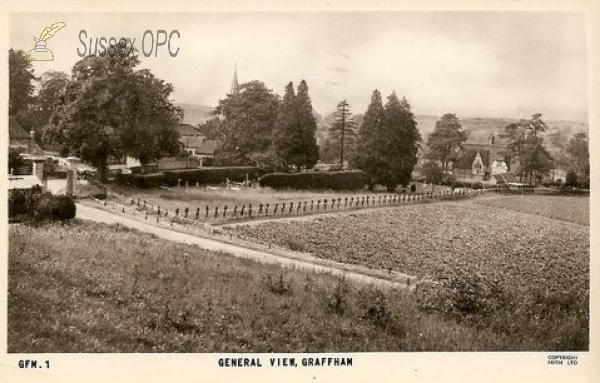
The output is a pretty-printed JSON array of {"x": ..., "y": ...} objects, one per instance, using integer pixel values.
[
  {"x": 558, "y": 134},
  {"x": 196, "y": 114}
]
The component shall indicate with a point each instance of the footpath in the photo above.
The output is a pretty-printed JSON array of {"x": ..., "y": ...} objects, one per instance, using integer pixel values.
[{"x": 287, "y": 259}]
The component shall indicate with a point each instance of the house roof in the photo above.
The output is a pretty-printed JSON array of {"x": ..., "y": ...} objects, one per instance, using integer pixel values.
[
  {"x": 496, "y": 152},
  {"x": 23, "y": 182},
  {"x": 192, "y": 142},
  {"x": 208, "y": 147},
  {"x": 188, "y": 130},
  {"x": 15, "y": 130},
  {"x": 464, "y": 159}
]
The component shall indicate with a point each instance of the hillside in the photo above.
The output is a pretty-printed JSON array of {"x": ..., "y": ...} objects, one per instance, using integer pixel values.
[{"x": 196, "y": 114}]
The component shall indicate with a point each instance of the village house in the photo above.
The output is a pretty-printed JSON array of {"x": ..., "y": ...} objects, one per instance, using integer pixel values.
[{"x": 480, "y": 162}]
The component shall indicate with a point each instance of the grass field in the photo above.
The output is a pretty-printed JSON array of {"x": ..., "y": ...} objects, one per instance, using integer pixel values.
[
  {"x": 505, "y": 280},
  {"x": 96, "y": 288},
  {"x": 497, "y": 262},
  {"x": 571, "y": 209}
]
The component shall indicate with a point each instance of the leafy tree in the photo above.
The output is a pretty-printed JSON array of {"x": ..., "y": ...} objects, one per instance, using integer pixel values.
[
  {"x": 109, "y": 109},
  {"x": 527, "y": 150},
  {"x": 308, "y": 125},
  {"x": 248, "y": 121},
  {"x": 52, "y": 85},
  {"x": 20, "y": 82},
  {"x": 148, "y": 130},
  {"x": 341, "y": 135},
  {"x": 446, "y": 139},
  {"x": 370, "y": 140},
  {"x": 432, "y": 172},
  {"x": 210, "y": 128}
]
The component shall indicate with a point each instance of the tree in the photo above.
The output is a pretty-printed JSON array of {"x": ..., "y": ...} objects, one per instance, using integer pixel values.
[
  {"x": 210, "y": 128},
  {"x": 370, "y": 133},
  {"x": 52, "y": 85},
  {"x": 109, "y": 109},
  {"x": 20, "y": 82},
  {"x": 578, "y": 152},
  {"x": 341, "y": 134},
  {"x": 248, "y": 120},
  {"x": 388, "y": 142},
  {"x": 400, "y": 142},
  {"x": 308, "y": 125},
  {"x": 432, "y": 172},
  {"x": 527, "y": 150},
  {"x": 148, "y": 130},
  {"x": 446, "y": 139},
  {"x": 288, "y": 133}
]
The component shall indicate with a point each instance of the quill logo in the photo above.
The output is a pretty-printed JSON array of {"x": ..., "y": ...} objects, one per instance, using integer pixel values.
[{"x": 40, "y": 52}]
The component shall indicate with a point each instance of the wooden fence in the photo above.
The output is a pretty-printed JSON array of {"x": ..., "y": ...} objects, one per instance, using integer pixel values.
[{"x": 218, "y": 213}]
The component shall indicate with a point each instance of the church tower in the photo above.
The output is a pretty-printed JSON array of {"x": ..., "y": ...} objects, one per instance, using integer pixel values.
[{"x": 235, "y": 87}]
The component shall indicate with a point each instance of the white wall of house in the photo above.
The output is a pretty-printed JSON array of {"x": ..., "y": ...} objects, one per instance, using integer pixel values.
[
  {"x": 132, "y": 162},
  {"x": 499, "y": 167}
]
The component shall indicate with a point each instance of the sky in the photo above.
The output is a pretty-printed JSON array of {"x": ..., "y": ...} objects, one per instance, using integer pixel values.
[{"x": 473, "y": 64}]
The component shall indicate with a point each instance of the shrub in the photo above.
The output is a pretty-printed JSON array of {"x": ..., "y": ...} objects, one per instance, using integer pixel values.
[
  {"x": 278, "y": 286},
  {"x": 34, "y": 205},
  {"x": 55, "y": 208},
  {"x": 337, "y": 301},
  {"x": 344, "y": 180}
]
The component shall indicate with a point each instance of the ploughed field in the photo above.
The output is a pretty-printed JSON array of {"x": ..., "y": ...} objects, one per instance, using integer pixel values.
[
  {"x": 485, "y": 260},
  {"x": 431, "y": 240}
]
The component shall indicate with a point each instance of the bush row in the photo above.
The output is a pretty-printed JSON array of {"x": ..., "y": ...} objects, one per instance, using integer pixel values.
[
  {"x": 35, "y": 205},
  {"x": 344, "y": 180},
  {"x": 202, "y": 176}
]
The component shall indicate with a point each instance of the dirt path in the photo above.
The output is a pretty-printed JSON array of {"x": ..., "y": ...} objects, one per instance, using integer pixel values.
[{"x": 237, "y": 250}]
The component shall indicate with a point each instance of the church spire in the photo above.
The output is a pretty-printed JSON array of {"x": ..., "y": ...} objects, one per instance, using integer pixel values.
[{"x": 235, "y": 87}]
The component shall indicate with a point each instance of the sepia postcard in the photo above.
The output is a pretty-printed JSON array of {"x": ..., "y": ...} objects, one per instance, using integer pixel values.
[{"x": 307, "y": 191}]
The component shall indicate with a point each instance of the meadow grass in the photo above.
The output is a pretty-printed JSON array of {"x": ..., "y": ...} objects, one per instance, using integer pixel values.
[{"x": 85, "y": 287}]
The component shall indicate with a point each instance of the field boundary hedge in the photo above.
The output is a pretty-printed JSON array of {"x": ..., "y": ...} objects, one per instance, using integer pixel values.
[
  {"x": 342, "y": 180},
  {"x": 201, "y": 176}
]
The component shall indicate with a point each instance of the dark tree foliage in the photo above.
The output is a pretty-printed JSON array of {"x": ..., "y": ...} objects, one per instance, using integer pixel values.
[
  {"x": 578, "y": 152},
  {"x": 388, "y": 142},
  {"x": 308, "y": 125},
  {"x": 341, "y": 134},
  {"x": 52, "y": 86},
  {"x": 528, "y": 157},
  {"x": 288, "y": 135},
  {"x": 446, "y": 139},
  {"x": 20, "y": 82},
  {"x": 210, "y": 128},
  {"x": 109, "y": 109},
  {"x": 247, "y": 126},
  {"x": 370, "y": 139}
]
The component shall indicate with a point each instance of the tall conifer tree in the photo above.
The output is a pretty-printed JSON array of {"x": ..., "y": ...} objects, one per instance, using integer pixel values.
[
  {"x": 370, "y": 136},
  {"x": 308, "y": 125}
]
